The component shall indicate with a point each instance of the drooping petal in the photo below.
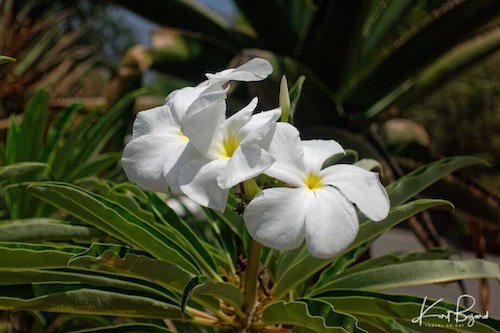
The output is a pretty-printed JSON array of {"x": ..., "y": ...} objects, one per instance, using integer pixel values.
[
  {"x": 276, "y": 216},
  {"x": 233, "y": 124},
  {"x": 287, "y": 150},
  {"x": 198, "y": 180},
  {"x": 361, "y": 187},
  {"x": 316, "y": 152},
  {"x": 259, "y": 125},
  {"x": 248, "y": 161},
  {"x": 256, "y": 69},
  {"x": 203, "y": 121},
  {"x": 144, "y": 159},
  {"x": 181, "y": 100},
  {"x": 157, "y": 120},
  {"x": 331, "y": 223}
]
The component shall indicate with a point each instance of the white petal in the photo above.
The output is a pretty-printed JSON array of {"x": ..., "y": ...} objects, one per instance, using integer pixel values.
[
  {"x": 260, "y": 124},
  {"x": 361, "y": 187},
  {"x": 248, "y": 161},
  {"x": 157, "y": 120},
  {"x": 198, "y": 180},
  {"x": 287, "y": 150},
  {"x": 256, "y": 69},
  {"x": 171, "y": 168},
  {"x": 331, "y": 223},
  {"x": 316, "y": 152},
  {"x": 202, "y": 123},
  {"x": 180, "y": 100},
  {"x": 233, "y": 124},
  {"x": 276, "y": 216},
  {"x": 144, "y": 160}
]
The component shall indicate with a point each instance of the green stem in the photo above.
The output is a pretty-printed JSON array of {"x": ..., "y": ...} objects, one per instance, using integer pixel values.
[{"x": 250, "y": 292}]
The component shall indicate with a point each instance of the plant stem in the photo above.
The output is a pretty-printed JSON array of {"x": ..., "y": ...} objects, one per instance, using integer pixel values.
[{"x": 250, "y": 292}]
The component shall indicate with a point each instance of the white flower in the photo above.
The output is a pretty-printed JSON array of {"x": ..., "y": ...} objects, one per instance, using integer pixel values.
[
  {"x": 319, "y": 208},
  {"x": 165, "y": 138},
  {"x": 237, "y": 152}
]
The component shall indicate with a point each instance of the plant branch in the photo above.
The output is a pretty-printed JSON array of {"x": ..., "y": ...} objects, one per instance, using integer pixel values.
[{"x": 250, "y": 291}]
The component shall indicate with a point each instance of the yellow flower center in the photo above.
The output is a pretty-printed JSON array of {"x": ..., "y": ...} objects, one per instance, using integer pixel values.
[
  {"x": 313, "y": 181},
  {"x": 230, "y": 144},
  {"x": 183, "y": 136}
]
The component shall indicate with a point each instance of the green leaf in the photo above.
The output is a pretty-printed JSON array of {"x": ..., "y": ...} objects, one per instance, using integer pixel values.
[
  {"x": 113, "y": 220},
  {"x": 32, "y": 129},
  {"x": 12, "y": 138},
  {"x": 402, "y": 275},
  {"x": 38, "y": 230},
  {"x": 20, "y": 169},
  {"x": 315, "y": 315},
  {"x": 400, "y": 307},
  {"x": 432, "y": 253},
  {"x": 35, "y": 50},
  {"x": 196, "y": 281},
  {"x": 30, "y": 256},
  {"x": 225, "y": 291},
  {"x": 302, "y": 269},
  {"x": 229, "y": 218},
  {"x": 95, "y": 166},
  {"x": 126, "y": 328},
  {"x": 86, "y": 301},
  {"x": 63, "y": 157},
  {"x": 459, "y": 58},
  {"x": 57, "y": 131},
  {"x": 124, "y": 260},
  {"x": 54, "y": 281},
  {"x": 413, "y": 183},
  {"x": 382, "y": 22},
  {"x": 189, "y": 239},
  {"x": 369, "y": 164},
  {"x": 341, "y": 264},
  {"x": 4, "y": 59},
  {"x": 97, "y": 135}
]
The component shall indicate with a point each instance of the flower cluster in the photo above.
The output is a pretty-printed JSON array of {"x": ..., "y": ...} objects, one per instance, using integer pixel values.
[{"x": 189, "y": 146}]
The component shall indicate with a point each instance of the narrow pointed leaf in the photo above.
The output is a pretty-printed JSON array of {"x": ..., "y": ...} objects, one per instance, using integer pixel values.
[
  {"x": 32, "y": 129},
  {"x": 315, "y": 315},
  {"x": 113, "y": 257},
  {"x": 87, "y": 301},
  {"x": 112, "y": 219},
  {"x": 190, "y": 240},
  {"x": 5, "y": 59},
  {"x": 22, "y": 231},
  {"x": 413, "y": 183},
  {"x": 49, "y": 282},
  {"x": 403, "y": 275},
  {"x": 20, "y": 169},
  {"x": 23, "y": 256}
]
